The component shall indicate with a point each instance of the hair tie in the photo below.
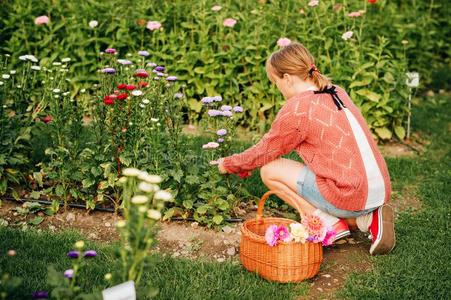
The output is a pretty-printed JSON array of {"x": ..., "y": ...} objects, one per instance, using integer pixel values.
[{"x": 313, "y": 68}]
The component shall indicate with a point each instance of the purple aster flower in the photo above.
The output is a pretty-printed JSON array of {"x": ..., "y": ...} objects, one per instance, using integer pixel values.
[
  {"x": 69, "y": 273},
  {"x": 108, "y": 71},
  {"x": 206, "y": 100},
  {"x": 221, "y": 132},
  {"x": 143, "y": 53},
  {"x": 40, "y": 295},
  {"x": 220, "y": 140},
  {"x": 171, "y": 78},
  {"x": 110, "y": 50},
  {"x": 227, "y": 113},
  {"x": 178, "y": 95},
  {"x": 159, "y": 68},
  {"x": 160, "y": 74},
  {"x": 73, "y": 254},
  {"x": 90, "y": 253},
  {"x": 226, "y": 107},
  {"x": 124, "y": 62},
  {"x": 213, "y": 112},
  {"x": 217, "y": 98},
  {"x": 238, "y": 109},
  {"x": 151, "y": 64}
]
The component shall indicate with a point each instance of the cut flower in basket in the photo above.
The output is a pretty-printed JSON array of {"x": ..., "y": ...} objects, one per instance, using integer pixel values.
[{"x": 276, "y": 233}]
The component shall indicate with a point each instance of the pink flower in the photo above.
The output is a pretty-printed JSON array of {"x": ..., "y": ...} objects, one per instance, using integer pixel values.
[
  {"x": 314, "y": 224},
  {"x": 329, "y": 237},
  {"x": 229, "y": 22},
  {"x": 216, "y": 8},
  {"x": 210, "y": 145},
  {"x": 283, "y": 234},
  {"x": 153, "y": 25},
  {"x": 271, "y": 236},
  {"x": 42, "y": 20},
  {"x": 347, "y": 35},
  {"x": 354, "y": 14},
  {"x": 313, "y": 3},
  {"x": 283, "y": 42}
]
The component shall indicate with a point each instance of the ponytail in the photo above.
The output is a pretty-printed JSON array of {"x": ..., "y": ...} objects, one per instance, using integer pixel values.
[{"x": 295, "y": 59}]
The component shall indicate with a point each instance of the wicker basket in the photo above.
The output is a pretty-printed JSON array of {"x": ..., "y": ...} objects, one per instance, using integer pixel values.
[{"x": 286, "y": 262}]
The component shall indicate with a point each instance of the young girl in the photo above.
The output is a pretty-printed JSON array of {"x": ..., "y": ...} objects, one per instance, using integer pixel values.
[{"x": 345, "y": 180}]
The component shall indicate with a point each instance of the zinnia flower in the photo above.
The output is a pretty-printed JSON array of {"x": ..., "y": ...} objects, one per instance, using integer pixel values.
[
  {"x": 90, "y": 253},
  {"x": 42, "y": 20},
  {"x": 216, "y": 8},
  {"x": 73, "y": 254},
  {"x": 122, "y": 96},
  {"x": 283, "y": 42},
  {"x": 110, "y": 50},
  {"x": 142, "y": 84},
  {"x": 93, "y": 23},
  {"x": 141, "y": 73},
  {"x": 347, "y": 35},
  {"x": 143, "y": 53},
  {"x": 270, "y": 235},
  {"x": 372, "y": 1},
  {"x": 124, "y": 62},
  {"x": 137, "y": 93},
  {"x": 229, "y": 22},
  {"x": 313, "y": 3},
  {"x": 221, "y": 132},
  {"x": 69, "y": 273},
  {"x": 109, "y": 99},
  {"x": 130, "y": 87},
  {"x": 122, "y": 86},
  {"x": 153, "y": 25}
]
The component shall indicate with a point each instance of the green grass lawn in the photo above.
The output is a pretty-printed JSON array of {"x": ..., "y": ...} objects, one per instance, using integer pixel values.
[{"x": 418, "y": 268}]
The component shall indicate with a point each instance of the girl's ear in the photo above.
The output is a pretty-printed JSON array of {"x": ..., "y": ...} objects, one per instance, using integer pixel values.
[{"x": 288, "y": 78}]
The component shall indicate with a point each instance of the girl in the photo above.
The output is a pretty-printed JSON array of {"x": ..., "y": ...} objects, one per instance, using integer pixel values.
[{"x": 344, "y": 178}]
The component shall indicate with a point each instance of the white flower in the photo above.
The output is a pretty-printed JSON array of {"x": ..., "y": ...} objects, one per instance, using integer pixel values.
[
  {"x": 6, "y": 76},
  {"x": 56, "y": 63},
  {"x": 137, "y": 93},
  {"x": 347, "y": 35},
  {"x": 12, "y": 72},
  {"x": 56, "y": 96},
  {"x": 66, "y": 93},
  {"x": 163, "y": 195},
  {"x": 131, "y": 172},
  {"x": 142, "y": 209},
  {"x": 66, "y": 59},
  {"x": 154, "y": 119},
  {"x": 146, "y": 187},
  {"x": 36, "y": 68},
  {"x": 19, "y": 86},
  {"x": 146, "y": 101},
  {"x": 56, "y": 91},
  {"x": 298, "y": 232},
  {"x": 2, "y": 83},
  {"x": 23, "y": 57},
  {"x": 155, "y": 179},
  {"x": 31, "y": 58},
  {"x": 139, "y": 199},
  {"x": 142, "y": 105},
  {"x": 153, "y": 214},
  {"x": 93, "y": 23}
]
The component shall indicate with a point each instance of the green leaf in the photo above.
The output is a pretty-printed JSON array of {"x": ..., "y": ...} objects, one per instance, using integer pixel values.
[
  {"x": 125, "y": 160},
  {"x": 35, "y": 194},
  {"x": 202, "y": 209},
  {"x": 400, "y": 132},
  {"x": 59, "y": 190},
  {"x": 38, "y": 177},
  {"x": 364, "y": 82},
  {"x": 188, "y": 204},
  {"x": 168, "y": 214},
  {"x": 384, "y": 133},
  {"x": 195, "y": 105},
  {"x": 218, "y": 219},
  {"x": 369, "y": 94},
  {"x": 36, "y": 221}
]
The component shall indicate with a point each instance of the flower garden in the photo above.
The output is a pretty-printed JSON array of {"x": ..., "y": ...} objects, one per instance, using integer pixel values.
[{"x": 114, "y": 111}]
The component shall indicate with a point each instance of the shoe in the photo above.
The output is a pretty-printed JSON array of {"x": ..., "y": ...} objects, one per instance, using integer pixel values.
[
  {"x": 342, "y": 230},
  {"x": 382, "y": 230}
]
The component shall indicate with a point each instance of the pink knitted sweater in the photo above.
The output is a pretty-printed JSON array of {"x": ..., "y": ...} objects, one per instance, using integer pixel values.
[{"x": 336, "y": 144}]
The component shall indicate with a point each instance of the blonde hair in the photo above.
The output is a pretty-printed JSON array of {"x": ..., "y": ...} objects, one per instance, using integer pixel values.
[{"x": 295, "y": 59}]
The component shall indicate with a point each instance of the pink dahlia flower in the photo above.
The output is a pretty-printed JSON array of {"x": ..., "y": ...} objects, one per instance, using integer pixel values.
[
  {"x": 153, "y": 25},
  {"x": 229, "y": 22},
  {"x": 42, "y": 20},
  {"x": 271, "y": 236}
]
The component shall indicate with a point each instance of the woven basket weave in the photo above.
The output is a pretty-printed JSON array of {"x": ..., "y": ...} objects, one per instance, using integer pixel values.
[{"x": 285, "y": 262}]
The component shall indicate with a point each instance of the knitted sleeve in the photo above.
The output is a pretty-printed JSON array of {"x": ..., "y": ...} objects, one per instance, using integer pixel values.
[{"x": 286, "y": 133}]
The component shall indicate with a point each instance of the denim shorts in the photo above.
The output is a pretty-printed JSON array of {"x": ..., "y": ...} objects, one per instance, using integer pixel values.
[{"x": 308, "y": 189}]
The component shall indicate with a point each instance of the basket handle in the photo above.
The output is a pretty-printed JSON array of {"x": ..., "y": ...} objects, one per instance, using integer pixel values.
[{"x": 261, "y": 204}]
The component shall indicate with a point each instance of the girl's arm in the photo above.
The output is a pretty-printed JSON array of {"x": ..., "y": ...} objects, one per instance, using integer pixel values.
[{"x": 286, "y": 133}]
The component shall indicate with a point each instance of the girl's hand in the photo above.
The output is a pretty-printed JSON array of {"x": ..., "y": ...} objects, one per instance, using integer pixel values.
[{"x": 220, "y": 163}]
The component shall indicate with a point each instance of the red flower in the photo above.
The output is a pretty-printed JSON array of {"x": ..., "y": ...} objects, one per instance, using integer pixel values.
[
  {"x": 47, "y": 119},
  {"x": 122, "y": 86},
  {"x": 372, "y": 1},
  {"x": 122, "y": 96},
  {"x": 141, "y": 73},
  {"x": 244, "y": 174},
  {"x": 109, "y": 99},
  {"x": 130, "y": 87},
  {"x": 142, "y": 84}
]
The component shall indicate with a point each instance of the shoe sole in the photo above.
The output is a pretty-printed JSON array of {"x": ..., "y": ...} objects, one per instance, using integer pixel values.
[
  {"x": 386, "y": 240},
  {"x": 342, "y": 235}
]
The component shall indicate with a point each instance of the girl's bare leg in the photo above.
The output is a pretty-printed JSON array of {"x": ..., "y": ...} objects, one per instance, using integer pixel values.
[{"x": 280, "y": 176}]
